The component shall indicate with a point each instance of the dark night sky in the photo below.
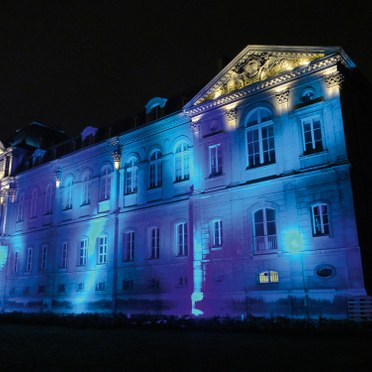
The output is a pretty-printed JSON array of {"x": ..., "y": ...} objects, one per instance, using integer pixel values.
[{"x": 70, "y": 64}]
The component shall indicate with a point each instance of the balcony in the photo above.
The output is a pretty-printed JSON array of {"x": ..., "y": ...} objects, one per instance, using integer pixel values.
[{"x": 265, "y": 244}]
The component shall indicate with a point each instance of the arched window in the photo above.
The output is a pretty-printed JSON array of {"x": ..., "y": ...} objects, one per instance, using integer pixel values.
[
  {"x": 49, "y": 198},
  {"x": 266, "y": 277},
  {"x": 68, "y": 192},
  {"x": 20, "y": 207},
  {"x": 131, "y": 175},
  {"x": 260, "y": 138},
  {"x": 182, "y": 162},
  {"x": 86, "y": 188},
  {"x": 34, "y": 198},
  {"x": 264, "y": 230},
  {"x": 319, "y": 219},
  {"x": 155, "y": 169},
  {"x": 105, "y": 183}
]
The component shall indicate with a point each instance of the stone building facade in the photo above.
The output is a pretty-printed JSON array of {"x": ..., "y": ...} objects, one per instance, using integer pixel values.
[{"x": 241, "y": 203}]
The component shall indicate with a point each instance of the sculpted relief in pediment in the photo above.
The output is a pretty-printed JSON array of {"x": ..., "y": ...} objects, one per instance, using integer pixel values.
[{"x": 255, "y": 67}]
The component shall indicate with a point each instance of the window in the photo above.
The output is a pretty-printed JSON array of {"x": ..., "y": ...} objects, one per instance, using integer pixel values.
[
  {"x": 15, "y": 262},
  {"x": 105, "y": 184},
  {"x": 49, "y": 198},
  {"x": 100, "y": 286},
  {"x": 64, "y": 255},
  {"x": 155, "y": 169},
  {"x": 29, "y": 260},
  {"x": 182, "y": 162},
  {"x": 312, "y": 135},
  {"x": 86, "y": 187},
  {"x": 182, "y": 239},
  {"x": 33, "y": 209},
  {"x": 80, "y": 287},
  {"x": 83, "y": 250},
  {"x": 217, "y": 235},
  {"x": 264, "y": 230},
  {"x": 129, "y": 246},
  {"x": 320, "y": 221},
  {"x": 68, "y": 193},
  {"x": 41, "y": 289},
  {"x": 61, "y": 288},
  {"x": 260, "y": 138},
  {"x": 182, "y": 282},
  {"x": 102, "y": 250},
  {"x": 154, "y": 283},
  {"x": 155, "y": 243},
  {"x": 215, "y": 160},
  {"x": 131, "y": 176},
  {"x": 127, "y": 284},
  {"x": 268, "y": 277},
  {"x": 20, "y": 207},
  {"x": 43, "y": 257}
]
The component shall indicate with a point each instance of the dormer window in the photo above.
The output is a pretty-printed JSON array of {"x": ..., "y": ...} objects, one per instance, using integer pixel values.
[
  {"x": 88, "y": 135},
  {"x": 155, "y": 108}
]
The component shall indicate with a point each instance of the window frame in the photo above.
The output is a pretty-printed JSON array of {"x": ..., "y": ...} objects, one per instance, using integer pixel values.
[
  {"x": 102, "y": 248},
  {"x": 33, "y": 206},
  {"x": 129, "y": 246},
  {"x": 155, "y": 169},
  {"x": 83, "y": 252},
  {"x": 310, "y": 119},
  {"x": 215, "y": 160},
  {"x": 154, "y": 243},
  {"x": 105, "y": 183},
  {"x": 181, "y": 162},
  {"x": 131, "y": 176},
  {"x": 182, "y": 238},
  {"x": 29, "y": 257},
  {"x": 49, "y": 199},
  {"x": 64, "y": 255},
  {"x": 217, "y": 238},
  {"x": 86, "y": 181},
  {"x": 271, "y": 275},
  {"x": 264, "y": 242},
  {"x": 325, "y": 227},
  {"x": 43, "y": 257}
]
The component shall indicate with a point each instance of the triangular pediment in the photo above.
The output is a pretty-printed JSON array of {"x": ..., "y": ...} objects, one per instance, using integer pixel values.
[{"x": 258, "y": 63}]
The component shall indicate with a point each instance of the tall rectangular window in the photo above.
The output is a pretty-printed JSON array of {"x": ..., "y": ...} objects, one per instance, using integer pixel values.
[
  {"x": 182, "y": 239},
  {"x": 312, "y": 135},
  {"x": 215, "y": 160},
  {"x": 320, "y": 221},
  {"x": 29, "y": 260},
  {"x": 260, "y": 146},
  {"x": 155, "y": 169},
  {"x": 129, "y": 246},
  {"x": 264, "y": 230},
  {"x": 64, "y": 255},
  {"x": 15, "y": 262},
  {"x": 155, "y": 243},
  {"x": 182, "y": 162},
  {"x": 217, "y": 233},
  {"x": 83, "y": 250},
  {"x": 43, "y": 257},
  {"x": 33, "y": 208},
  {"x": 102, "y": 250}
]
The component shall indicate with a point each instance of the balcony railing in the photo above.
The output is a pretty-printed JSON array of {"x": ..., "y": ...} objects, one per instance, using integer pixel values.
[{"x": 265, "y": 243}]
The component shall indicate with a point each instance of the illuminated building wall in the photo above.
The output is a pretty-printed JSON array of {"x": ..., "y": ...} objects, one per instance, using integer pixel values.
[{"x": 239, "y": 204}]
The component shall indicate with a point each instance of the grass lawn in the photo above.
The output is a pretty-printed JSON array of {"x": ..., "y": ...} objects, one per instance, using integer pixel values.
[{"x": 60, "y": 348}]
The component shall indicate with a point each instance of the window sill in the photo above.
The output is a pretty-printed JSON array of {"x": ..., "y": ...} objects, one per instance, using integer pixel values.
[
  {"x": 260, "y": 166},
  {"x": 183, "y": 180},
  {"x": 313, "y": 154}
]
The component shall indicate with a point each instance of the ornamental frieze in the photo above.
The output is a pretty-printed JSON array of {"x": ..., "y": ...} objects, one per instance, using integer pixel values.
[{"x": 255, "y": 67}]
